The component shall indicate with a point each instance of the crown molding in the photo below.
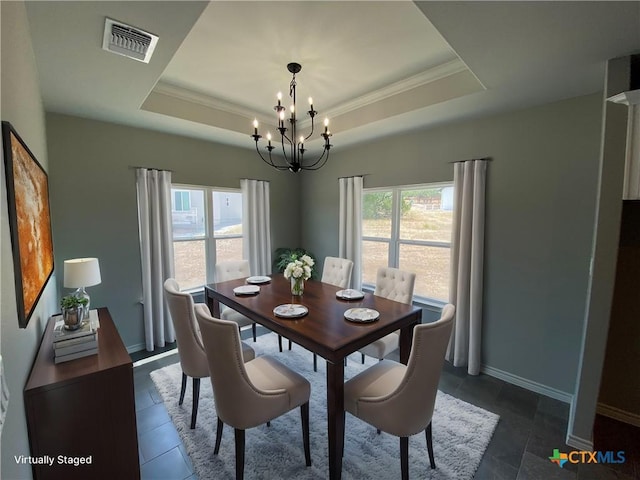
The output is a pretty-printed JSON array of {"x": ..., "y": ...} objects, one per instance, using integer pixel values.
[
  {"x": 431, "y": 75},
  {"x": 626, "y": 98},
  {"x": 204, "y": 100}
]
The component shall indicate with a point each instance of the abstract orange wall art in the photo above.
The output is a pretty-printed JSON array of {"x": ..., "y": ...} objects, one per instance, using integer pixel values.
[{"x": 29, "y": 222}]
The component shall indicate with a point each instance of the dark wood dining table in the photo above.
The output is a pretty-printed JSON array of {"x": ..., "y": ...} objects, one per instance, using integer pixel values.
[{"x": 324, "y": 331}]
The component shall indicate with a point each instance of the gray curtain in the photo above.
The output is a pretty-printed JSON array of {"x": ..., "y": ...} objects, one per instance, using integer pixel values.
[
  {"x": 153, "y": 189},
  {"x": 467, "y": 259}
]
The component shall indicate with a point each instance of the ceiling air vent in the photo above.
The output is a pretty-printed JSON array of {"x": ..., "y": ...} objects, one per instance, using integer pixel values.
[{"x": 128, "y": 41}]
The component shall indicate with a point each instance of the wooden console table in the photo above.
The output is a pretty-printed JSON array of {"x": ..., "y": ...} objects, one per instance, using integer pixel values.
[{"x": 83, "y": 410}]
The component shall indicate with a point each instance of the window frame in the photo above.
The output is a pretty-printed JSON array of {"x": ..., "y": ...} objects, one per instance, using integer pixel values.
[
  {"x": 209, "y": 237},
  {"x": 394, "y": 241}
]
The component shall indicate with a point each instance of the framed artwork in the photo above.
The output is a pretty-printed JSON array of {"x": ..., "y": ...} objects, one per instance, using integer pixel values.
[{"x": 29, "y": 222}]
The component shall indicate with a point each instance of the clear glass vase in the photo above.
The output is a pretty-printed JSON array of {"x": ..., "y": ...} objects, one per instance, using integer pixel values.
[{"x": 297, "y": 286}]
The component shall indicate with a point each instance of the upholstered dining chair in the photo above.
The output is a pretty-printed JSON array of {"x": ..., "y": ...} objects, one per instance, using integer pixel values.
[
  {"x": 230, "y": 270},
  {"x": 399, "y": 399},
  {"x": 248, "y": 394},
  {"x": 336, "y": 271},
  {"x": 193, "y": 359},
  {"x": 396, "y": 285}
]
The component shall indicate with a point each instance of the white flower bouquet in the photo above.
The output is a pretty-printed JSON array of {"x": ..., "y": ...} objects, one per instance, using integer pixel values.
[{"x": 298, "y": 271}]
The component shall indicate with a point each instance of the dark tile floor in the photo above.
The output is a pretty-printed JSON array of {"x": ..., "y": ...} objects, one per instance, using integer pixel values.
[{"x": 531, "y": 426}]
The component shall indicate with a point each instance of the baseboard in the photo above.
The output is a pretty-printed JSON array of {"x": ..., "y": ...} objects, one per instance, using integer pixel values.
[
  {"x": 618, "y": 414},
  {"x": 528, "y": 384},
  {"x": 136, "y": 348},
  {"x": 155, "y": 357},
  {"x": 579, "y": 443}
]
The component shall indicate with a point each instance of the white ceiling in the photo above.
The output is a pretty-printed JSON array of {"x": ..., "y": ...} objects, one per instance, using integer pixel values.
[{"x": 374, "y": 68}]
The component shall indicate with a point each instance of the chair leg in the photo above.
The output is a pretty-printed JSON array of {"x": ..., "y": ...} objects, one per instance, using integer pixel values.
[
  {"x": 196, "y": 398},
  {"x": 362, "y": 358},
  {"x": 430, "y": 445},
  {"x": 239, "y": 454},
  {"x": 280, "y": 343},
  {"x": 253, "y": 330},
  {"x": 315, "y": 362},
  {"x": 404, "y": 457},
  {"x": 289, "y": 344},
  {"x": 183, "y": 388},
  {"x": 216, "y": 449},
  {"x": 304, "y": 413}
]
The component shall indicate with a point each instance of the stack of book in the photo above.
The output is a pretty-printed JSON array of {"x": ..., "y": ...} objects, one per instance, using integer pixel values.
[{"x": 72, "y": 344}]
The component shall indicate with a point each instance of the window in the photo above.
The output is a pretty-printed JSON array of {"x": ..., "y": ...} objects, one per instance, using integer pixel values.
[
  {"x": 409, "y": 228},
  {"x": 181, "y": 201},
  {"x": 207, "y": 228}
]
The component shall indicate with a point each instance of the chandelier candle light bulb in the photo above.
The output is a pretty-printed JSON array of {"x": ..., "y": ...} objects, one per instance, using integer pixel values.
[{"x": 292, "y": 151}]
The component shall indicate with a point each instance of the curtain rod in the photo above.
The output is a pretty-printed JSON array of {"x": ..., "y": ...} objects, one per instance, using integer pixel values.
[
  {"x": 356, "y": 175},
  {"x": 151, "y": 168},
  {"x": 488, "y": 159}
]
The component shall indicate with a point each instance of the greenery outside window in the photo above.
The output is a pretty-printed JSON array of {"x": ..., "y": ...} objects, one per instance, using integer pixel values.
[
  {"x": 409, "y": 228},
  {"x": 207, "y": 228}
]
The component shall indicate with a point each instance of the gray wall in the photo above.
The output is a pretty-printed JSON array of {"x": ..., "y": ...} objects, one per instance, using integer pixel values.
[
  {"x": 22, "y": 106},
  {"x": 541, "y": 195},
  {"x": 93, "y": 200}
]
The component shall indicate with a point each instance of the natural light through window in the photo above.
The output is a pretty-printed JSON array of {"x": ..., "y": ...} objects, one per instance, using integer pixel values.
[
  {"x": 409, "y": 228},
  {"x": 207, "y": 228}
]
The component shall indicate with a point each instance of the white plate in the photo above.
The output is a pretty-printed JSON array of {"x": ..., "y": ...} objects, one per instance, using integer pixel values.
[
  {"x": 361, "y": 315},
  {"x": 246, "y": 290},
  {"x": 290, "y": 310},
  {"x": 258, "y": 279},
  {"x": 349, "y": 294}
]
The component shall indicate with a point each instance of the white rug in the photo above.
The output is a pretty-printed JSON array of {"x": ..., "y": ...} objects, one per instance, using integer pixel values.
[{"x": 461, "y": 432}]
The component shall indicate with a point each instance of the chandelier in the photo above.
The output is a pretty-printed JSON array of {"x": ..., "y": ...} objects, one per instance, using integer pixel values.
[{"x": 292, "y": 142}]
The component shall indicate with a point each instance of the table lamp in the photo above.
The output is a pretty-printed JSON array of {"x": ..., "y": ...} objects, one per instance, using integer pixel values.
[{"x": 80, "y": 273}]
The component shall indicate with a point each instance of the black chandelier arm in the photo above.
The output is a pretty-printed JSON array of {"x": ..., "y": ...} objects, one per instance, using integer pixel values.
[
  {"x": 315, "y": 166},
  {"x": 284, "y": 151},
  {"x": 311, "y": 132},
  {"x": 270, "y": 161},
  {"x": 284, "y": 137}
]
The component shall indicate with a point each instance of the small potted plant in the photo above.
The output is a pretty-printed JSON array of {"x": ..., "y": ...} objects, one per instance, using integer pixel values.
[{"x": 73, "y": 311}]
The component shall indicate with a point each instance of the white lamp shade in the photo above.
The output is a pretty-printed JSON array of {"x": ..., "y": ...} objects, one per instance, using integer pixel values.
[{"x": 81, "y": 272}]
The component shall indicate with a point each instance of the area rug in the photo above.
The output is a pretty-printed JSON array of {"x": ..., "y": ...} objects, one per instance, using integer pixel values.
[{"x": 461, "y": 432}]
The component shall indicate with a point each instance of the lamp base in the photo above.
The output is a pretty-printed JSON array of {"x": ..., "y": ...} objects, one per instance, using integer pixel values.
[{"x": 80, "y": 293}]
